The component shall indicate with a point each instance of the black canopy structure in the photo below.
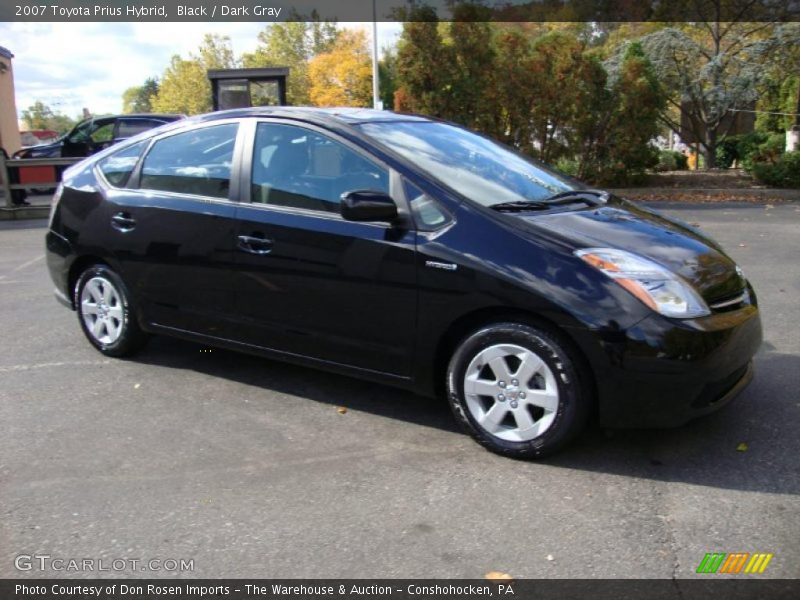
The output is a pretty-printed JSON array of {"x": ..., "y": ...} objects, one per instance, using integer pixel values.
[{"x": 243, "y": 88}]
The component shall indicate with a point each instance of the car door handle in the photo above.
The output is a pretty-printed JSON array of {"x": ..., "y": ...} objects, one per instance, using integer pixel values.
[
  {"x": 123, "y": 222},
  {"x": 255, "y": 245}
]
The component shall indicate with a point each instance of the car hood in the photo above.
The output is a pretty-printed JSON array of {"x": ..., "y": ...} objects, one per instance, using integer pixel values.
[
  {"x": 42, "y": 149},
  {"x": 620, "y": 224}
]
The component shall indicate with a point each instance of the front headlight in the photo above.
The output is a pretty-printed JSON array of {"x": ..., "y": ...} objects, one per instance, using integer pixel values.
[{"x": 658, "y": 287}]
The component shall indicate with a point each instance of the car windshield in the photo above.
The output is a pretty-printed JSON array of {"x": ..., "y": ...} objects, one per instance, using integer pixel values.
[{"x": 474, "y": 166}]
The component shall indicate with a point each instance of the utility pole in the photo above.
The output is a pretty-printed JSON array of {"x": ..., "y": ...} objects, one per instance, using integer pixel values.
[{"x": 376, "y": 94}]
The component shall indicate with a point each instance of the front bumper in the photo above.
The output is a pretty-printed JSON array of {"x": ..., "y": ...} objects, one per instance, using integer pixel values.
[{"x": 663, "y": 372}]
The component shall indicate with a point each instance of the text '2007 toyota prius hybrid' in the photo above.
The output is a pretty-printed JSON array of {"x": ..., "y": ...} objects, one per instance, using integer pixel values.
[{"x": 411, "y": 252}]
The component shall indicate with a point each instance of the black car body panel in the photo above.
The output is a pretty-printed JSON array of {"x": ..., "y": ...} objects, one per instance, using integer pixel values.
[{"x": 387, "y": 301}]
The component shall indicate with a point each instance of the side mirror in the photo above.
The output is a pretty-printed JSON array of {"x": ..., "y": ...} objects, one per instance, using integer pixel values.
[{"x": 368, "y": 205}]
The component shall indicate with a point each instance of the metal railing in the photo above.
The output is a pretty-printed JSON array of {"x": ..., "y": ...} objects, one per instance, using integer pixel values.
[{"x": 18, "y": 165}]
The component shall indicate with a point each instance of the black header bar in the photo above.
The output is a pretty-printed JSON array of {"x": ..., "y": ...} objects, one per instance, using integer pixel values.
[{"x": 399, "y": 10}]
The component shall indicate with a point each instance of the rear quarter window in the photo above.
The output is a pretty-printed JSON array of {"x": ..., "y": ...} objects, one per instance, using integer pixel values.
[{"x": 117, "y": 168}]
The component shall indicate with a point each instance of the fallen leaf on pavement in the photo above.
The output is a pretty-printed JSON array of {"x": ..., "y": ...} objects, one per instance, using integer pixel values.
[
  {"x": 742, "y": 447},
  {"x": 341, "y": 410},
  {"x": 498, "y": 576}
]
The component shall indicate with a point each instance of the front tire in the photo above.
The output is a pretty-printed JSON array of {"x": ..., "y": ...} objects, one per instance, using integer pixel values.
[
  {"x": 516, "y": 390},
  {"x": 105, "y": 312}
]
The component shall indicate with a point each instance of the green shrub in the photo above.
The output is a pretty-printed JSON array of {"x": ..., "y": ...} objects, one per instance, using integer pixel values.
[
  {"x": 568, "y": 166},
  {"x": 666, "y": 161},
  {"x": 671, "y": 160},
  {"x": 747, "y": 145},
  {"x": 749, "y": 149},
  {"x": 727, "y": 152},
  {"x": 770, "y": 150},
  {"x": 681, "y": 160},
  {"x": 782, "y": 172}
]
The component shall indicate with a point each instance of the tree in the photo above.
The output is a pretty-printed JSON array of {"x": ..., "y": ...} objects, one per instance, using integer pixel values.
[
  {"x": 343, "y": 76},
  {"x": 617, "y": 145},
  {"x": 40, "y": 116},
  {"x": 512, "y": 89},
  {"x": 139, "y": 99},
  {"x": 781, "y": 86},
  {"x": 184, "y": 88},
  {"x": 542, "y": 90},
  {"x": 472, "y": 52},
  {"x": 387, "y": 76},
  {"x": 293, "y": 44},
  {"x": 710, "y": 70},
  {"x": 215, "y": 52},
  {"x": 565, "y": 86},
  {"x": 423, "y": 66}
]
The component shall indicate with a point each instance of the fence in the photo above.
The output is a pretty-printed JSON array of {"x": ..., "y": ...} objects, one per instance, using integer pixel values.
[{"x": 30, "y": 174}]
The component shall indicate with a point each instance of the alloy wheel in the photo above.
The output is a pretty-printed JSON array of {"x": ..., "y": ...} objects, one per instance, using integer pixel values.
[{"x": 511, "y": 392}]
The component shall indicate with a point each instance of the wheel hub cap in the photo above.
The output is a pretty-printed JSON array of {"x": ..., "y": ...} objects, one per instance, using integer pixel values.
[
  {"x": 511, "y": 392},
  {"x": 101, "y": 310}
]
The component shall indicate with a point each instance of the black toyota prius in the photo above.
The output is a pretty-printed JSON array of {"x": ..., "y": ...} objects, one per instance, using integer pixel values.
[{"x": 410, "y": 252}]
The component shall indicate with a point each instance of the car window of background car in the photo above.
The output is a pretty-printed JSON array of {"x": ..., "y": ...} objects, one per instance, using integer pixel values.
[
  {"x": 118, "y": 167},
  {"x": 196, "y": 162},
  {"x": 102, "y": 133},
  {"x": 299, "y": 168},
  {"x": 131, "y": 127},
  {"x": 474, "y": 166},
  {"x": 82, "y": 132}
]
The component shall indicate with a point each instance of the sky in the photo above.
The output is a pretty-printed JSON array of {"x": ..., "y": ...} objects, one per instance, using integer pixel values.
[{"x": 69, "y": 66}]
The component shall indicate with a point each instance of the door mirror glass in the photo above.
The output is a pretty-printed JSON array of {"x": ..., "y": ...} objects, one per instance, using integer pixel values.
[{"x": 368, "y": 205}]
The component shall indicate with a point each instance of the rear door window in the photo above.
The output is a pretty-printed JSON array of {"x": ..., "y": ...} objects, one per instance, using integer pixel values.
[{"x": 197, "y": 162}]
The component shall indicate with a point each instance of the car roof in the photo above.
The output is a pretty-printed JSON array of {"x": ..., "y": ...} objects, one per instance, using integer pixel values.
[
  {"x": 150, "y": 116},
  {"x": 162, "y": 116},
  {"x": 343, "y": 115}
]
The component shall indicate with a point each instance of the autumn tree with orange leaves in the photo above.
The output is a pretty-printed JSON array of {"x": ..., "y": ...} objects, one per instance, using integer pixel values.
[{"x": 343, "y": 76}]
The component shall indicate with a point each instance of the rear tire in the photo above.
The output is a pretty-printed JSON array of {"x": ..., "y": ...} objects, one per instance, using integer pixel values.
[
  {"x": 106, "y": 314},
  {"x": 516, "y": 390}
]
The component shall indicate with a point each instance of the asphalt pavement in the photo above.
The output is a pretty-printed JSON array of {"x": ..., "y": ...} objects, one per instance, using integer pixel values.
[{"x": 249, "y": 468}]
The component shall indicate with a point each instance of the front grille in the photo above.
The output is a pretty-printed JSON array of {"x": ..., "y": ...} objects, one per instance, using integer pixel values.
[{"x": 730, "y": 302}]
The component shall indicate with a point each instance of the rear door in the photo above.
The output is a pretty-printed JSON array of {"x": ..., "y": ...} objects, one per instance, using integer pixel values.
[
  {"x": 173, "y": 229},
  {"x": 309, "y": 282},
  {"x": 89, "y": 137}
]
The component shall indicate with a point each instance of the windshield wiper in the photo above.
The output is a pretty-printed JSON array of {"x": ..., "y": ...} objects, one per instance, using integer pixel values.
[
  {"x": 520, "y": 205},
  {"x": 590, "y": 197}
]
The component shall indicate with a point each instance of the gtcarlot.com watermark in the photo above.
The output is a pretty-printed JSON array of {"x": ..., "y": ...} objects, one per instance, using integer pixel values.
[{"x": 45, "y": 562}]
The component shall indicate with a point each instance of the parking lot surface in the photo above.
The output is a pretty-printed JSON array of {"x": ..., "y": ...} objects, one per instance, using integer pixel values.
[{"x": 249, "y": 468}]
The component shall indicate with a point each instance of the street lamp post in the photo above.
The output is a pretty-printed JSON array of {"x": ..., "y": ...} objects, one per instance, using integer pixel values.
[{"x": 376, "y": 97}]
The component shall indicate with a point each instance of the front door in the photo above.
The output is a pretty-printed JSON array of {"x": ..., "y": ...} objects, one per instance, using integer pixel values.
[{"x": 309, "y": 282}]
